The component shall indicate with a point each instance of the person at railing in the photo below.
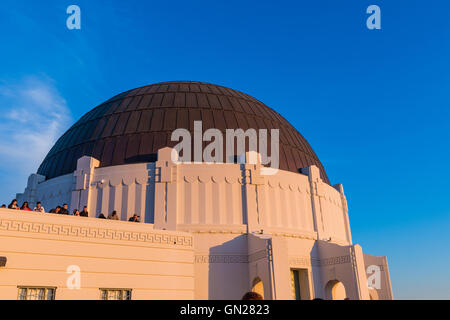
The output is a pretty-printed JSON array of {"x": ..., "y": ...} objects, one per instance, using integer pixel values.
[
  {"x": 64, "y": 209},
  {"x": 84, "y": 213},
  {"x": 25, "y": 207},
  {"x": 134, "y": 218},
  {"x": 114, "y": 216},
  {"x": 14, "y": 205},
  {"x": 3, "y": 206},
  {"x": 39, "y": 208},
  {"x": 76, "y": 213},
  {"x": 57, "y": 210}
]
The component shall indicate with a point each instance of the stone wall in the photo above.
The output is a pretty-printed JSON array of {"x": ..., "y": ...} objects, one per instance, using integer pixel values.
[{"x": 39, "y": 248}]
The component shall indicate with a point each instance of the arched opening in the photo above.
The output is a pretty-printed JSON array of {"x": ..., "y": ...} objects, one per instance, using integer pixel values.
[
  {"x": 258, "y": 286},
  {"x": 335, "y": 290}
]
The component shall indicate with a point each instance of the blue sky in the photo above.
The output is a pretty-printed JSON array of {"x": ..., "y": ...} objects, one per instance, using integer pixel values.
[{"x": 374, "y": 104}]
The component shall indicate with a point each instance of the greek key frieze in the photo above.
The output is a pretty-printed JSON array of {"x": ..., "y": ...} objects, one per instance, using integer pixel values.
[
  {"x": 231, "y": 258},
  {"x": 335, "y": 260},
  {"x": 94, "y": 233},
  {"x": 299, "y": 261},
  {"x": 221, "y": 258},
  {"x": 307, "y": 261}
]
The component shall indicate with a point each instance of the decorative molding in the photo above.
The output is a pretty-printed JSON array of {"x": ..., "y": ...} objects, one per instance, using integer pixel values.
[
  {"x": 231, "y": 258},
  {"x": 292, "y": 234},
  {"x": 94, "y": 233},
  {"x": 211, "y": 178},
  {"x": 334, "y": 260},
  {"x": 222, "y": 258},
  {"x": 295, "y": 261},
  {"x": 307, "y": 261},
  {"x": 213, "y": 229}
]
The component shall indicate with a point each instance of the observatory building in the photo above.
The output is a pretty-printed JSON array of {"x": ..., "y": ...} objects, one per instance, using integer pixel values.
[{"x": 207, "y": 230}]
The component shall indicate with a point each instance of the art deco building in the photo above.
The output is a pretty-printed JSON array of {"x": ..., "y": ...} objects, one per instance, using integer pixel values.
[{"x": 207, "y": 231}]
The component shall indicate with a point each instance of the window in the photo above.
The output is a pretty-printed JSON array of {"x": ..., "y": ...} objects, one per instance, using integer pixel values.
[
  {"x": 36, "y": 293},
  {"x": 115, "y": 294}
]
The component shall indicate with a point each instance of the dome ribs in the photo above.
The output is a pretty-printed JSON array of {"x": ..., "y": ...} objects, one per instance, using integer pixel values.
[
  {"x": 219, "y": 120},
  {"x": 145, "y": 120},
  {"x": 123, "y": 106},
  {"x": 236, "y": 105},
  {"x": 133, "y": 125},
  {"x": 108, "y": 152},
  {"x": 120, "y": 150},
  {"x": 194, "y": 115},
  {"x": 173, "y": 87},
  {"x": 230, "y": 119},
  {"x": 113, "y": 107},
  {"x": 153, "y": 88},
  {"x": 146, "y": 144},
  {"x": 160, "y": 140},
  {"x": 157, "y": 120},
  {"x": 180, "y": 100},
  {"x": 168, "y": 99},
  {"x": 133, "y": 122},
  {"x": 202, "y": 100},
  {"x": 163, "y": 88},
  {"x": 245, "y": 106},
  {"x": 98, "y": 149},
  {"x": 183, "y": 118},
  {"x": 145, "y": 102},
  {"x": 184, "y": 87},
  {"x": 194, "y": 88},
  {"x": 110, "y": 125},
  {"x": 121, "y": 124},
  {"x": 170, "y": 120},
  {"x": 157, "y": 100},
  {"x": 204, "y": 88},
  {"x": 207, "y": 119},
  {"x": 215, "y": 90},
  {"x": 225, "y": 103},
  {"x": 88, "y": 148},
  {"x": 191, "y": 100},
  {"x": 134, "y": 103},
  {"x": 132, "y": 150},
  {"x": 242, "y": 121},
  {"x": 214, "y": 101}
]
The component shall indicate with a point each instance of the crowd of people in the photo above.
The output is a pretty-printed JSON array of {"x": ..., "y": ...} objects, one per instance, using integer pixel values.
[
  {"x": 25, "y": 206},
  {"x": 64, "y": 210}
]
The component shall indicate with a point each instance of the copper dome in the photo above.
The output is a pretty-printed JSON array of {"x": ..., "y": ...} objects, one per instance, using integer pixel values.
[{"x": 132, "y": 126}]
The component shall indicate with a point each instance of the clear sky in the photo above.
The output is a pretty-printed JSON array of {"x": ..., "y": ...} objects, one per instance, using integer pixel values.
[{"x": 374, "y": 104}]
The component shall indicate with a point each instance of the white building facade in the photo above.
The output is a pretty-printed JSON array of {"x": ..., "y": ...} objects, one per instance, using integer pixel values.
[
  {"x": 286, "y": 235},
  {"x": 207, "y": 231}
]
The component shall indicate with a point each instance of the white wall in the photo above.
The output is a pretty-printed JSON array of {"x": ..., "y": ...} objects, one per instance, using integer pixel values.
[
  {"x": 222, "y": 205},
  {"x": 155, "y": 264}
]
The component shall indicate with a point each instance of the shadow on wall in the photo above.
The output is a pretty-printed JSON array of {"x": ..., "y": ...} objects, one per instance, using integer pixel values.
[
  {"x": 150, "y": 194},
  {"x": 142, "y": 197},
  {"x": 244, "y": 196},
  {"x": 337, "y": 277},
  {"x": 228, "y": 270}
]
